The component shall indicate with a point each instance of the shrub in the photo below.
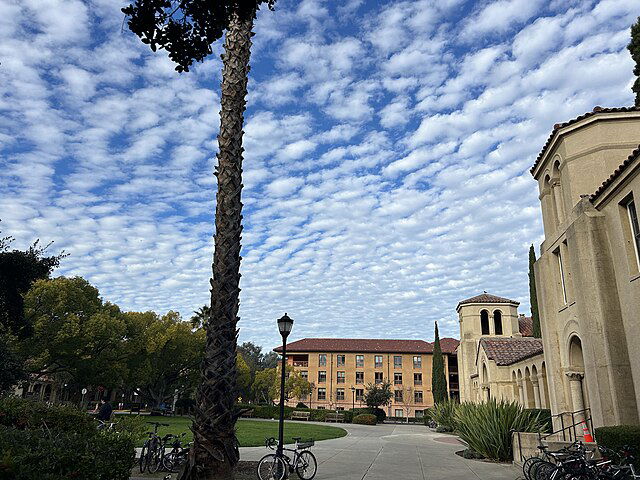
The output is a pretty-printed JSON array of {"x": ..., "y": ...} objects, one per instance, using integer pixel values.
[
  {"x": 380, "y": 414},
  {"x": 443, "y": 413},
  {"x": 618, "y": 436},
  {"x": 301, "y": 405},
  {"x": 487, "y": 427},
  {"x": 545, "y": 418},
  {"x": 30, "y": 414},
  {"x": 365, "y": 419}
]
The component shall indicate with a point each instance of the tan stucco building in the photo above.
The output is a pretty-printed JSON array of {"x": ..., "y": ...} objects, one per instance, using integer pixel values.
[
  {"x": 588, "y": 273},
  {"x": 339, "y": 370},
  {"x": 498, "y": 356}
]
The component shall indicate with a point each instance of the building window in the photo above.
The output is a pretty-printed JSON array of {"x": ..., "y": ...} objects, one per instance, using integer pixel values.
[
  {"x": 322, "y": 376},
  {"x": 417, "y": 379},
  {"x": 484, "y": 322},
  {"x": 397, "y": 379},
  {"x": 322, "y": 394},
  {"x": 397, "y": 395},
  {"x": 419, "y": 413},
  {"x": 397, "y": 361},
  {"x": 340, "y": 360},
  {"x": 322, "y": 360},
  {"x": 304, "y": 374},
  {"x": 417, "y": 361},
  {"x": 339, "y": 409},
  {"x": 378, "y": 377},
  {"x": 340, "y": 377},
  {"x": 359, "y": 377},
  {"x": 635, "y": 228},
  {"x": 321, "y": 407},
  {"x": 563, "y": 284},
  {"x": 399, "y": 413},
  {"x": 359, "y": 394},
  {"x": 497, "y": 322},
  {"x": 417, "y": 396},
  {"x": 340, "y": 394},
  {"x": 378, "y": 361},
  {"x": 359, "y": 360}
]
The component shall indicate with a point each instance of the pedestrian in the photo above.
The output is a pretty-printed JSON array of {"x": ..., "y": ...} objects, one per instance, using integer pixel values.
[{"x": 105, "y": 412}]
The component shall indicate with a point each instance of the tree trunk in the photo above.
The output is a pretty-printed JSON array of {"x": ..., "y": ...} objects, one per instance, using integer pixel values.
[{"x": 215, "y": 451}]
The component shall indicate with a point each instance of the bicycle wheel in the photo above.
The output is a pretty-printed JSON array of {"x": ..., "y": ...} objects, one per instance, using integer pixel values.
[
  {"x": 271, "y": 467},
  {"x": 528, "y": 465},
  {"x": 172, "y": 461},
  {"x": 143, "y": 456},
  {"x": 155, "y": 461},
  {"x": 306, "y": 466},
  {"x": 543, "y": 471}
]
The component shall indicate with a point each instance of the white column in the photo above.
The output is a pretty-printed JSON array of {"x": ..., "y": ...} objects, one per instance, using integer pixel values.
[
  {"x": 521, "y": 392},
  {"x": 577, "y": 399},
  {"x": 536, "y": 392},
  {"x": 542, "y": 382}
]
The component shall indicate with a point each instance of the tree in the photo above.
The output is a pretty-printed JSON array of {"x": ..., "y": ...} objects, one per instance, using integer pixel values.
[
  {"x": 200, "y": 316},
  {"x": 244, "y": 377},
  {"x": 269, "y": 360},
  {"x": 18, "y": 270},
  {"x": 295, "y": 385},
  {"x": 533, "y": 295},
  {"x": 376, "y": 396},
  {"x": 438, "y": 378},
  {"x": 634, "y": 49},
  {"x": 12, "y": 365},
  {"x": 407, "y": 400},
  {"x": 262, "y": 387},
  {"x": 186, "y": 29}
]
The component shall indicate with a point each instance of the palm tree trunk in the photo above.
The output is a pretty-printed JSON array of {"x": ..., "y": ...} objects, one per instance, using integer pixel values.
[{"x": 215, "y": 451}]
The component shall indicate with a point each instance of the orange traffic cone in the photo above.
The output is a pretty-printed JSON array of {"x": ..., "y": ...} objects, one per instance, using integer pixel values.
[{"x": 585, "y": 432}]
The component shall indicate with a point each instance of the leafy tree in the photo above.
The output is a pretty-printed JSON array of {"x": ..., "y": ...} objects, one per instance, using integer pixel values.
[
  {"x": 634, "y": 49},
  {"x": 269, "y": 360},
  {"x": 533, "y": 296},
  {"x": 438, "y": 378},
  {"x": 244, "y": 377},
  {"x": 200, "y": 316},
  {"x": 262, "y": 387},
  {"x": 376, "y": 396},
  {"x": 74, "y": 333},
  {"x": 18, "y": 270},
  {"x": 252, "y": 353},
  {"x": 12, "y": 365},
  {"x": 295, "y": 385},
  {"x": 187, "y": 29}
]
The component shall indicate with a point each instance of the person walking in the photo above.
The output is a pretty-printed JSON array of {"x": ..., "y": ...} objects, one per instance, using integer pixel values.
[{"x": 105, "y": 412}]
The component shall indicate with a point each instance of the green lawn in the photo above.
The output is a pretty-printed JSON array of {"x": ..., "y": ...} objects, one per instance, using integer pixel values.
[{"x": 252, "y": 433}]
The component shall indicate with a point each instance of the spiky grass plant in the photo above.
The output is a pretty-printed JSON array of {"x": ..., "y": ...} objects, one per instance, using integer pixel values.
[
  {"x": 443, "y": 413},
  {"x": 487, "y": 427}
]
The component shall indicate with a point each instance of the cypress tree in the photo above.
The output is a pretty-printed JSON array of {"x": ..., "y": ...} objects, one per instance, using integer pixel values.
[
  {"x": 634, "y": 49},
  {"x": 533, "y": 296},
  {"x": 438, "y": 378}
]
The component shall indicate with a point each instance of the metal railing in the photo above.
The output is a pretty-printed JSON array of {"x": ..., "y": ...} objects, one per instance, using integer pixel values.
[{"x": 582, "y": 416}]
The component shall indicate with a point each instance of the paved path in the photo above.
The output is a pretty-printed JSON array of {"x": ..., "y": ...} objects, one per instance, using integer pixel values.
[{"x": 395, "y": 452}]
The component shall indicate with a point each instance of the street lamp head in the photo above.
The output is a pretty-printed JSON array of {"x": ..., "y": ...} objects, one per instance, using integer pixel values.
[
  {"x": 353, "y": 389},
  {"x": 285, "y": 324}
]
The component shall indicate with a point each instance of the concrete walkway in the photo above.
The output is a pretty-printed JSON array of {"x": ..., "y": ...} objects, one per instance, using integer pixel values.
[{"x": 398, "y": 452}]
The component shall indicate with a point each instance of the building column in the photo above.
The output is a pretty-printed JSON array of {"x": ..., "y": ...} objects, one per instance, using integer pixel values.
[
  {"x": 521, "y": 392},
  {"x": 577, "y": 399},
  {"x": 536, "y": 392},
  {"x": 486, "y": 393},
  {"x": 542, "y": 382}
]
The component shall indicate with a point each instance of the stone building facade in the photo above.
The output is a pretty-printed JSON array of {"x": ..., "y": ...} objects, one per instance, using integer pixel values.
[
  {"x": 339, "y": 370},
  {"x": 588, "y": 273},
  {"x": 498, "y": 356}
]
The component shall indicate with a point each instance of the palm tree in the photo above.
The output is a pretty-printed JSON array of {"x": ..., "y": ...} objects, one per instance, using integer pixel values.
[
  {"x": 187, "y": 29},
  {"x": 200, "y": 316}
]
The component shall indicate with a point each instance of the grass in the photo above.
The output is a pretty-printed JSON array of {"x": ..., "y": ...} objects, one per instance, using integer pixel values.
[{"x": 252, "y": 433}]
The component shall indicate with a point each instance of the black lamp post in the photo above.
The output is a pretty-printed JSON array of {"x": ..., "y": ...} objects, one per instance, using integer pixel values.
[
  {"x": 285, "y": 324},
  {"x": 353, "y": 396}
]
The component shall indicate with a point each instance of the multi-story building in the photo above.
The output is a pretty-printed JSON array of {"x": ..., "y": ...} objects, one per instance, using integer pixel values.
[
  {"x": 588, "y": 273},
  {"x": 339, "y": 370}
]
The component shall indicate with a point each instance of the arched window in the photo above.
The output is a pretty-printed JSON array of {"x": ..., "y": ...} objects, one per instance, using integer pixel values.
[
  {"x": 484, "y": 322},
  {"x": 497, "y": 322}
]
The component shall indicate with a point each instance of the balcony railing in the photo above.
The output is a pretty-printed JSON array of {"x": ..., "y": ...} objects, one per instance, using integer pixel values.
[{"x": 300, "y": 363}]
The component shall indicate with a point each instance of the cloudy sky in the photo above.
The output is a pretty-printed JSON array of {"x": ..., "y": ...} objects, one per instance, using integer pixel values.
[{"x": 387, "y": 153}]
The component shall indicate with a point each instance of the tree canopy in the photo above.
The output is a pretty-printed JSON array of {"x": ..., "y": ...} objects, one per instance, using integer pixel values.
[
  {"x": 438, "y": 378},
  {"x": 634, "y": 49},
  {"x": 378, "y": 395},
  {"x": 533, "y": 295}
]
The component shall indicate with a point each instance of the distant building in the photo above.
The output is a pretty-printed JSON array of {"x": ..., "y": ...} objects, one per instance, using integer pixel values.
[
  {"x": 588, "y": 273},
  {"x": 498, "y": 356},
  {"x": 339, "y": 370}
]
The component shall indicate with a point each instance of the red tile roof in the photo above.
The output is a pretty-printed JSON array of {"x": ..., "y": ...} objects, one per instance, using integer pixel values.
[
  {"x": 507, "y": 351},
  {"x": 525, "y": 325},
  {"x": 618, "y": 171},
  {"x": 558, "y": 126},
  {"x": 487, "y": 298},
  {"x": 448, "y": 345}
]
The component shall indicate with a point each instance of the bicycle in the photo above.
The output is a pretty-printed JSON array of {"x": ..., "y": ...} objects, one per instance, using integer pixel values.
[
  {"x": 177, "y": 456},
  {"x": 278, "y": 466},
  {"x": 102, "y": 425},
  {"x": 152, "y": 449}
]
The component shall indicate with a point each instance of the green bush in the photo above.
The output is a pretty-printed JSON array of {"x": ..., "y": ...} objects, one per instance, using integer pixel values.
[
  {"x": 443, "y": 413},
  {"x": 618, "y": 436},
  {"x": 545, "y": 417},
  {"x": 60, "y": 443},
  {"x": 380, "y": 414},
  {"x": 365, "y": 419},
  {"x": 487, "y": 427}
]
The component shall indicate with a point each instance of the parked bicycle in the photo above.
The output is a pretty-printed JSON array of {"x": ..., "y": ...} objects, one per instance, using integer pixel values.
[
  {"x": 152, "y": 450},
  {"x": 177, "y": 456},
  {"x": 276, "y": 466}
]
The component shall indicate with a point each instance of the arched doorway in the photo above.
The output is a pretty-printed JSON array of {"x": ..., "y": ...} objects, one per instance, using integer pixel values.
[
  {"x": 579, "y": 399},
  {"x": 486, "y": 388}
]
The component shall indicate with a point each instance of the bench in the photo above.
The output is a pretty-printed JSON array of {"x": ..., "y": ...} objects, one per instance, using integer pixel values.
[
  {"x": 334, "y": 417},
  {"x": 247, "y": 414},
  {"x": 295, "y": 415}
]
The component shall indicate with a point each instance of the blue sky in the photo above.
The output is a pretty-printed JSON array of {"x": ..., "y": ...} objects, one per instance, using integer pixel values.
[{"x": 387, "y": 153}]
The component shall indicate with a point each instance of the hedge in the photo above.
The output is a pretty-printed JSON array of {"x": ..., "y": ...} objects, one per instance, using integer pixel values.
[
  {"x": 365, "y": 419},
  {"x": 44, "y": 442},
  {"x": 273, "y": 412},
  {"x": 618, "y": 436}
]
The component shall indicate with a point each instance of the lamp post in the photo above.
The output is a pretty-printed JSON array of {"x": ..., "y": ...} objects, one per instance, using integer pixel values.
[
  {"x": 285, "y": 324},
  {"x": 353, "y": 396}
]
